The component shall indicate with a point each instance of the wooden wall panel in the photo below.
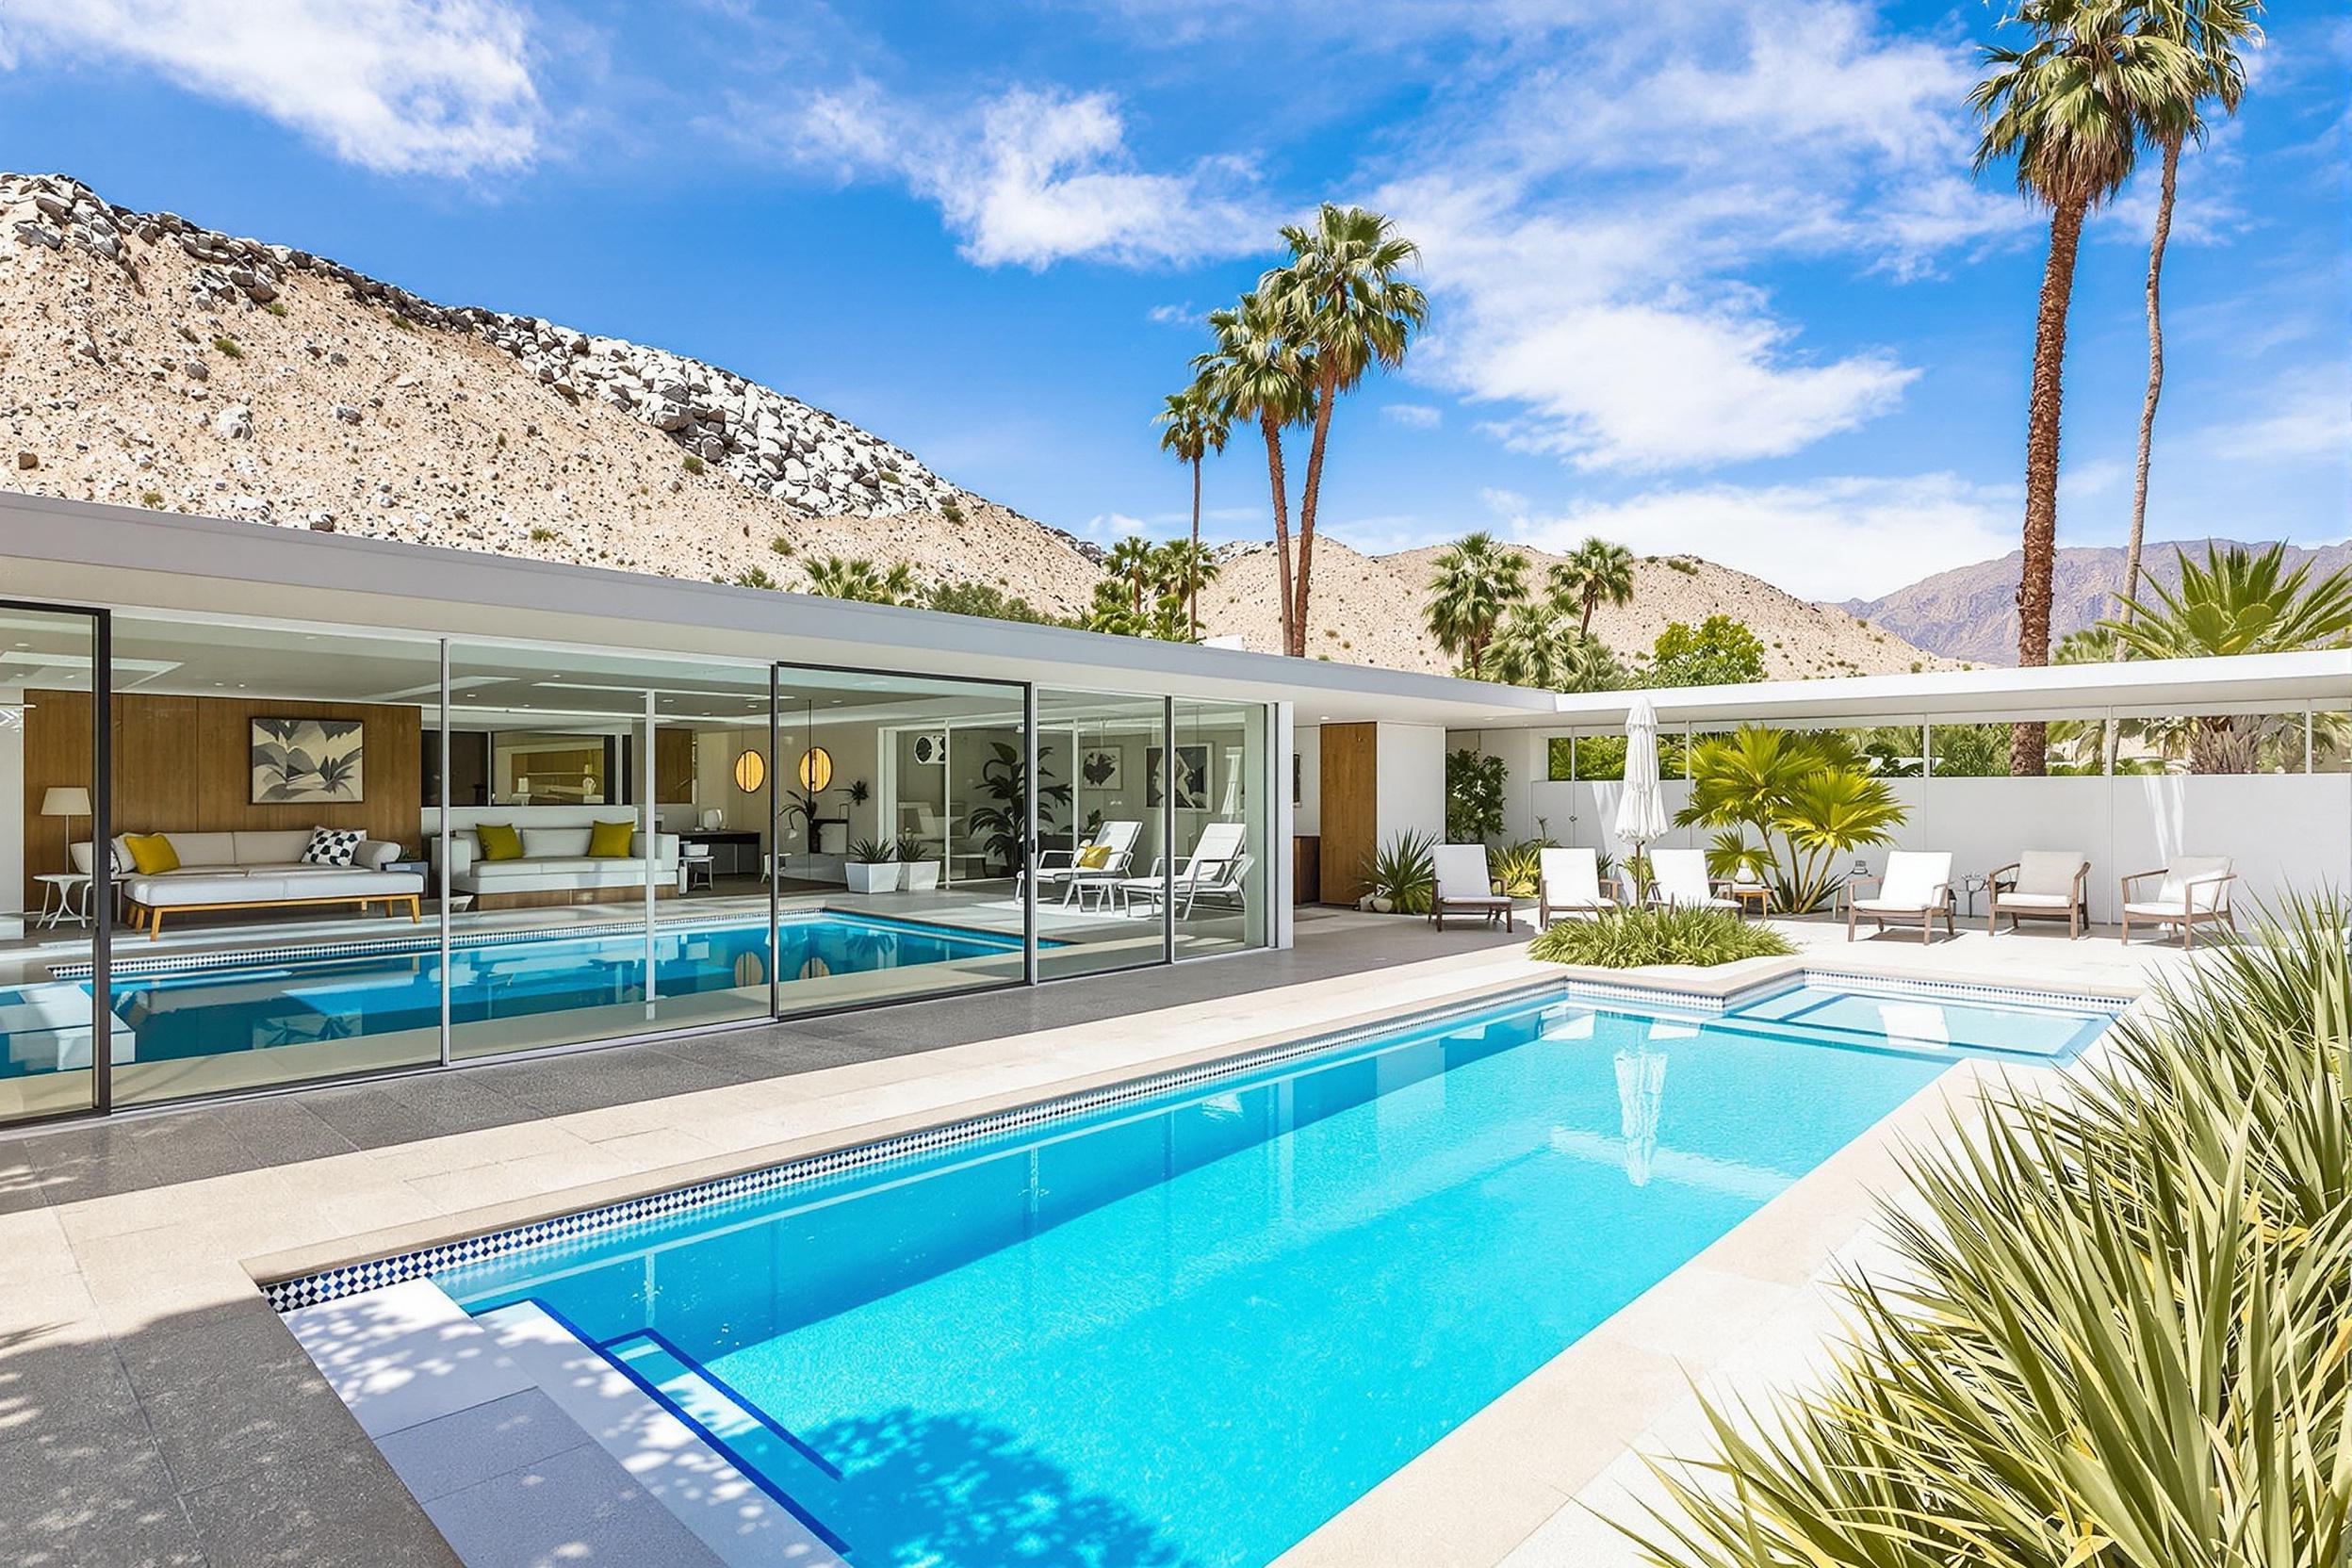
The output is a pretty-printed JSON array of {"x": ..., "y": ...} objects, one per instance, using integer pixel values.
[
  {"x": 672, "y": 765},
  {"x": 1351, "y": 808},
  {"x": 184, "y": 763}
]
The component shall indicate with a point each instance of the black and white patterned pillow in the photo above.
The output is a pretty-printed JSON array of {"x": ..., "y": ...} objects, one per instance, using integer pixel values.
[{"x": 332, "y": 846}]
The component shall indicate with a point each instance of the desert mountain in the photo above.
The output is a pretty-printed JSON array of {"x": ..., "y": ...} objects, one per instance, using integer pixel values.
[
  {"x": 1971, "y": 612},
  {"x": 151, "y": 362}
]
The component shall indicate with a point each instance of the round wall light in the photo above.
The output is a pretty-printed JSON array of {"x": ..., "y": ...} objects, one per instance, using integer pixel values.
[
  {"x": 751, "y": 772},
  {"x": 816, "y": 770}
]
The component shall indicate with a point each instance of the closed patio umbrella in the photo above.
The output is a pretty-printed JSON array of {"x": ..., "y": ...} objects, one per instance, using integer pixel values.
[{"x": 1641, "y": 809}]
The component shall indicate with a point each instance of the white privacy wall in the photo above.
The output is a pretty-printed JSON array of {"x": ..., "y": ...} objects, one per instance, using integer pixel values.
[
  {"x": 2283, "y": 830},
  {"x": 1410, "y": 759}
]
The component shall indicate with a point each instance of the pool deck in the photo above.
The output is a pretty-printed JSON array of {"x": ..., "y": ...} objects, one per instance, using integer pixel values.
[{"x": 152, "y": 1410}]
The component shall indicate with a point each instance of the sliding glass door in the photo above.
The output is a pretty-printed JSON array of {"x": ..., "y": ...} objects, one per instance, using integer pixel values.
[{"x": 1104, "y": 822}]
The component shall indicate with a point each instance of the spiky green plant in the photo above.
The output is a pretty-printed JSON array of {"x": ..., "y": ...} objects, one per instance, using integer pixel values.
[
  {"x": 2118, "y": 1331},
  {"x": 1629, "y": 938},
  {"x": 1404, "y": 872},
  {"x": 1518, "y": 868}
]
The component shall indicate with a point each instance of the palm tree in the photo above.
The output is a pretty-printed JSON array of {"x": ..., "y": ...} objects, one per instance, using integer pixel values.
[
  {"x": 864, "y": 582},
  {"x": 2070, "y": 109},
  {"x": 1541, "y": 645},
  {"x": 1343, "y": 297},
  {"x": 2211, "y": 31},
  {"x": 1185, "y": 568},
  {"x": 1133, "y": 562},
  {"x": 1195, "y": 423},
  {"x": 1477, "y": 580},
  {"x": 1599, "y": 570},
  {"x": 2236, "y": 602},
  {"x": 1260, "y": 370}
]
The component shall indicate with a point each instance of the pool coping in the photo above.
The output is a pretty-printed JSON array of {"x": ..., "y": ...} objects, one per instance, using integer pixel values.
[{"x": 1478, "y": 1493}]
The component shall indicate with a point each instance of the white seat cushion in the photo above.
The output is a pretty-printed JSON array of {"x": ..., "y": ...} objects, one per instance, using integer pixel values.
[
  {"x": 2162, "y": 910},
  {"x": 1888, "y": 907},
  {"x": 2036, "y": 901},
  {"x": 2181, "y": 882}
]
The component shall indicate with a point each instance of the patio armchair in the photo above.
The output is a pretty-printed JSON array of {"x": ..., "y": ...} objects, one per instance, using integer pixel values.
[
  {"x": 2041, "y": 884},
  {"x": 1465, "y": 885},
  {"x": 2195, "y": 888},
  {"x": 1568, "y": 882},
  {"x": 1678, "y": 880},
  {"x": 1917, "y": 884}
]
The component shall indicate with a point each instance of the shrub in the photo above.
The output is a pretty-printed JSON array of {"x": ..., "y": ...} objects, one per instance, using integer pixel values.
[
  {"x": 950, "y": 511},
  {"x": 694, "y": 464},
  {"x": 274, "y": 308},
  {"x": 1404, "y": 873},
  {"x": 1629, "y": 938},
  {"x": 1474, "y": 796},
  {"x": 755, "y": 577},
  {"x": 226, "y": 348},
  {"x": 542, "y": 534},
  {"x": 150, "y": 497},
  {"x": 2120, "y": 1339},
  {"x": 780, "y": 545},
  {"x": 1518, "y": 867}
]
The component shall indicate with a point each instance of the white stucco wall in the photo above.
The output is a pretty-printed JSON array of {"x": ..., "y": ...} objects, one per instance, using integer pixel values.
[{"x": 1411, "y": 797}]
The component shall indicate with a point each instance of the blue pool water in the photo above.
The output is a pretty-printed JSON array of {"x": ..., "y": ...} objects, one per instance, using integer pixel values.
[
  {"x": 253, "y": 1006},
  {"x": 1189, "y": 1329}
]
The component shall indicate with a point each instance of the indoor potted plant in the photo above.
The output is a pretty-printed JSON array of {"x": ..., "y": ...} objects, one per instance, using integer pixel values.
[
  {"x": 917, "y": 870},
  {"x": 873, "y": 867}
]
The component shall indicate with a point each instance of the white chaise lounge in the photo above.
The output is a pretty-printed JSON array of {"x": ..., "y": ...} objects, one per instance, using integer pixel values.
[
  {"x": 1214, "y": 862},
  {"x": 1678, "y": 879},
  {"x": 244, "y": 869},
  {"x": 1465, "y": 885},
  {"x": 1917, "y": 886},
  {"x": 2042, "y": 884},
  {"x": 1568, "y": 882},
  {"x": 2195, "y": 888},
  {"x": 1102, "y": 861}
]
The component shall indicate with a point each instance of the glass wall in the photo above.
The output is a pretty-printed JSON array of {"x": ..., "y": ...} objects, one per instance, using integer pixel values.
[
  {"x": 272, "y": 918},
  {"x": 1104, "y": 819},
  {"x": 328, "y": 854},
  {"x": 49, "y": 771}
]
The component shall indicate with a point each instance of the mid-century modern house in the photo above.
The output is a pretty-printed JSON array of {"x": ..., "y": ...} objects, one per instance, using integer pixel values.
[{"x": 361, "y": 808}]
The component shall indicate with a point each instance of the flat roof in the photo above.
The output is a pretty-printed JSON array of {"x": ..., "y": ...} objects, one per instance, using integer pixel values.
[{"x": 132, "y": 558}]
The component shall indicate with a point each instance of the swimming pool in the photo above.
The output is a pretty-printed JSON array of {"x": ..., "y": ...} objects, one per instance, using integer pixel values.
[
  {"x": 1186, "y": 1330},
  {"x": 196, "y": 1006}
]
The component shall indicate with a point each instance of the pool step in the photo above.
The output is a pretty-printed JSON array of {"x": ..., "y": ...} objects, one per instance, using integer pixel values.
[{"x": 794, "y": 1473}]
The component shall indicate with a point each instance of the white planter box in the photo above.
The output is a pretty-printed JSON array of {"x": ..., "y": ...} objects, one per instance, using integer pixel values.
[
  {"x": 918, "y": 876},
  {"x": 878, "y": 878}
]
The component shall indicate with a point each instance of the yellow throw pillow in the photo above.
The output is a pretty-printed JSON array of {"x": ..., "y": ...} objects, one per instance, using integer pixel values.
[
  {"x": 150, "y": 852},
  {"x": 1094, "y": 858},
  {"x": 498, "y": 841},
  {"x": 610, "y": 841}
]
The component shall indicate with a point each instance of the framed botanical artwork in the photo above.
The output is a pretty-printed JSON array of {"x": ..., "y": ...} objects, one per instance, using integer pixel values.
[
  {"x": 1192, "y": 776},
  {"x": 1103, "y": 768},
  {"x": 309, "y": 762}
]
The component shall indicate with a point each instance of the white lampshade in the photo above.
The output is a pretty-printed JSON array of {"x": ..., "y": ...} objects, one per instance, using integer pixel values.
[{"x": 65, "y": 800}]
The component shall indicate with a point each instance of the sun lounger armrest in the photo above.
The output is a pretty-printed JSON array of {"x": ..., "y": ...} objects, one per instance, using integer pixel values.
[
  {"x": 2141, "y": 876},
  {"x": 1846, "y": 894}
]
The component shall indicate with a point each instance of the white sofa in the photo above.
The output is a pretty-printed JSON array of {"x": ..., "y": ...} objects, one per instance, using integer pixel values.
[
  {"x": 556, "y": 868},
  {"x": 255, "y": 869}
]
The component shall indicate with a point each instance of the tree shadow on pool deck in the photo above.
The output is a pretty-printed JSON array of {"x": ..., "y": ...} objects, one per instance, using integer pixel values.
[{"x": 953, "y": 1491}]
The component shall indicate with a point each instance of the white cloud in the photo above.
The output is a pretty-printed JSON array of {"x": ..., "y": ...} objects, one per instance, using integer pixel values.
[
  {"x": 1415, "y": 415},
  {"x": 2305, "y": 416},
  {"x": 1822, "y": 539},
  {"x": 404, "y": 87},
  {"x": 1036, "y": 177},
  {"x": 1174, "y": 316}
]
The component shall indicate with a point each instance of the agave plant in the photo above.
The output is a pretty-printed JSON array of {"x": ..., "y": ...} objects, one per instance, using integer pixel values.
[
  {"x": 1403, "y": 873},
  {"x": 2120, "y": 1328}
]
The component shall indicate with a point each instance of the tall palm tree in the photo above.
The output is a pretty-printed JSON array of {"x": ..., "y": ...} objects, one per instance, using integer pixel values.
[
  {"x": 1134, "y": 564},
  {"x": 2070, "y": 109},
  {"x": 1597, "y": 571},
  {"x": 1194, "y": 423},
  {"x": 2212, "y": 31},
  {"x": 1477, "y": 579},
  {"x": 1261, "y": 371},
  {"x": 1343, "y": 295}
]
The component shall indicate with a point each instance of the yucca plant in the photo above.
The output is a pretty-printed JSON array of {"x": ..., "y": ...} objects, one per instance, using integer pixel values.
[
  {"x": 1628, "y": 939},
  {"x": 1403, "y": 873},
  {"x": 2119, "y": 1329}
]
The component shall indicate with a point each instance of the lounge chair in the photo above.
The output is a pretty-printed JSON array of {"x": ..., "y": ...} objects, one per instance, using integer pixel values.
[
  {"x": 1917, "y": 884},
  {"x": 1568, "y": 882},
  {"x": 2195, "y": 888},
  {"x": 1678, "y": 880},
  {"x": 1211, "y": 864},
  {"x": 1465, "y": 885},
  {"x": 1101, "y": 860},
  {"x": 2042, "y": 884}
]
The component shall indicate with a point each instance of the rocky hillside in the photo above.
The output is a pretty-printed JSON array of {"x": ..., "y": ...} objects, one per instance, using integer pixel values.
[
  {"x": 1367, "y": 611},
  {"x": 1971, "y": 612},
  {"x": 151, "y": 362}
]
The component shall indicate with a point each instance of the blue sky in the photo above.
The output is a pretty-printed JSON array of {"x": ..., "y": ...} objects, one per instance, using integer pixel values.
[{"x": 1706, "y": 275}]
